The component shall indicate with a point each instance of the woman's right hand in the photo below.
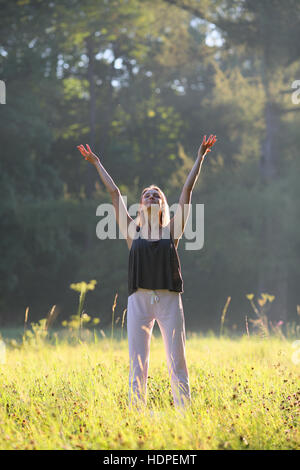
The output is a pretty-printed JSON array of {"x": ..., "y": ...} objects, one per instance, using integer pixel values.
[
  {"x": 88, "y": 154},
  {"x": 206, "y": 145}
]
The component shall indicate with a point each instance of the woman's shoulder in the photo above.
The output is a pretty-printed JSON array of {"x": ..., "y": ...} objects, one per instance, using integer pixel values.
[
  {"x": 132, "y": 234},
  {"x": 133, "y": 228}
]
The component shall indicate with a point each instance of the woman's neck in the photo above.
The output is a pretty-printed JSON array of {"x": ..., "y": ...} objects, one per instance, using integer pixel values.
[{"x": 152, "y": 230}]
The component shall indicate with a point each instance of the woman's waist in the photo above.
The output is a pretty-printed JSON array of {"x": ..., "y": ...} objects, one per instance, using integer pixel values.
[{"x": 142, "y": 289}]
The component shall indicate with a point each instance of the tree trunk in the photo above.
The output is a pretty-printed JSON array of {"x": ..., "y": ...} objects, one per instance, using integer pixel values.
[
  {"x": 90, "y": 173},
  {"x": 272, "y": 270},
  {"x": 90, "y": 170}
]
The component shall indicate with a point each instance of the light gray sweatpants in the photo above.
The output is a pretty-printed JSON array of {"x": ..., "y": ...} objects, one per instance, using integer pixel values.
[{"x": 143, "y": 308}]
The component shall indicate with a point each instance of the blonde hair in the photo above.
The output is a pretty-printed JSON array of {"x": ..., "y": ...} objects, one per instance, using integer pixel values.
[{"x": 165, "y": 210}]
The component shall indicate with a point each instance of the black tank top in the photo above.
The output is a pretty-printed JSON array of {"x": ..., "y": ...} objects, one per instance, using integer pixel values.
[{"x": 154, "y": 264}]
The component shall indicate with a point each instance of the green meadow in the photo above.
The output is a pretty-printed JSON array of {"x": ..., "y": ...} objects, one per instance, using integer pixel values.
[{"x": 68, "y": 393}]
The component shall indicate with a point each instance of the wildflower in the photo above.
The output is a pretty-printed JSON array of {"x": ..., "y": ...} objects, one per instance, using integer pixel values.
[{"x": 262, "y": 301}]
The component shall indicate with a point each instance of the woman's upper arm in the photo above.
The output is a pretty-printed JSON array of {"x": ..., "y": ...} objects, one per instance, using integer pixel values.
[
  {"x": 125, "y": 222},
  {"x": 177, "y": 223}
]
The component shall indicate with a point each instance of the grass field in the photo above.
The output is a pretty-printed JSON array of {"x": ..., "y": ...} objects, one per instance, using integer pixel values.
[{"x": 59, "y": 395}]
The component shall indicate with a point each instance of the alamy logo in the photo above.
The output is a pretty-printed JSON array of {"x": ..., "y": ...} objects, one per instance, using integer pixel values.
[
  {"x": 295, "y": 95},
  {"x": 2, "y": 352},
  {"x": 107, "y": 226},
  {"x": 2, "y": 92},
  {"x": 296, "y": 354}
]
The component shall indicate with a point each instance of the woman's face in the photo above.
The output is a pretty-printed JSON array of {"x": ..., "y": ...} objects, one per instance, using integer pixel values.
[{"x": 151, "y": 197}]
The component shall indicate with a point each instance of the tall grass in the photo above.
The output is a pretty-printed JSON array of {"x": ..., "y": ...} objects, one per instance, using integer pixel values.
[
  {"x": 62, "y": 395},
  {"x": 68, "y": 389}
]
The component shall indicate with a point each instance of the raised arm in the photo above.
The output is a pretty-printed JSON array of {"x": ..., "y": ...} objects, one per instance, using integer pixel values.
[
  {"x": 177, "y": 223},
  {"x": 122, "y": 216}
]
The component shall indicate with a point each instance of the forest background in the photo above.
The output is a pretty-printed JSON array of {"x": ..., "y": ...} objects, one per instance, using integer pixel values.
[{"x": 141, "y": 82}]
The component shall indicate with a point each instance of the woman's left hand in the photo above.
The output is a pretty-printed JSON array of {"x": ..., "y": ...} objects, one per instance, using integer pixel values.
[{"x": 206, "y": 145}]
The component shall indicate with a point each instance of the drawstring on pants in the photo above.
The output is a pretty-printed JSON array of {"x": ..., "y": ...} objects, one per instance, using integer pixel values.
[{"x": 154, "y": 297}]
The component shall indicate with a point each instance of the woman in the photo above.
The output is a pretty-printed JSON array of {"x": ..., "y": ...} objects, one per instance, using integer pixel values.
[{"x": 155, "y": 283}]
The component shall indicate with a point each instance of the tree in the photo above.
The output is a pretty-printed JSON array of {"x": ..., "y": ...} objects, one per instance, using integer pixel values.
[{"x": 269, "y": 31}]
